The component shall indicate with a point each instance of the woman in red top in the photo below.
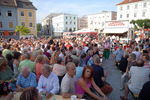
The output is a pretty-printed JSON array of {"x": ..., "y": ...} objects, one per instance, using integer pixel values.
[{"x": 40, "y": 60}]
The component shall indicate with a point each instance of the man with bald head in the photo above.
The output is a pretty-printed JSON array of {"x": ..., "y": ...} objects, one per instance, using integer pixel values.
[
  {"x": 68, "y": 82},
  {"x": 26, "y": 80}
]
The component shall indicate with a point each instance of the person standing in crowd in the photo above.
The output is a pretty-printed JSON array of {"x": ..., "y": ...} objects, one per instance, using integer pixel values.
[
  {"x": 106, "y": 50},
  {"x": 48, "y": 83},
  {"x": 118, "y": 54}
]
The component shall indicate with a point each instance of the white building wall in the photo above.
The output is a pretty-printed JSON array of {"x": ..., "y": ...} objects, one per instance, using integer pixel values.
[
  {"x": 64, "y": 23},
  {"x": 134, "y": 11},
  {"x": 97, "y": 21}
]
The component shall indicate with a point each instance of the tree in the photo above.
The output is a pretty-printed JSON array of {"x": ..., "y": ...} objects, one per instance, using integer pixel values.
[
  {"x": 22, "y": 30},
  {"x": 141, "y": 24},
  {"x": 39, "y": 27}
]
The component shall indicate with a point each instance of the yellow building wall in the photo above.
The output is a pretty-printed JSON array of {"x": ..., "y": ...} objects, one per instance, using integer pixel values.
[{"x": 27, "y": 19}]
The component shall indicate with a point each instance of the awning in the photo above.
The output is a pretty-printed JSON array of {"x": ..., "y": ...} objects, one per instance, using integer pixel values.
[{"x": 115, "y": 30}]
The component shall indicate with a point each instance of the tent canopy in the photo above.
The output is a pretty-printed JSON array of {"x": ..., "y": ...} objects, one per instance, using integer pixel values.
[
  {"x": 84, "y": 31},
  {"x": 115, "y": 30}
]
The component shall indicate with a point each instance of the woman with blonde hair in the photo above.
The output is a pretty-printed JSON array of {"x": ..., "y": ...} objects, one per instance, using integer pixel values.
[{"x": 54, "y": 57}]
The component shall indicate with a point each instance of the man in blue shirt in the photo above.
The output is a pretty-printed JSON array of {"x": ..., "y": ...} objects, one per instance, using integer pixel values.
[{"x": 26, "y": 80}]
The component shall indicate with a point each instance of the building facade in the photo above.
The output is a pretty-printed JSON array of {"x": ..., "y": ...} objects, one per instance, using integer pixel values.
[
  {"x": 47, "y": 27},
  {"x": 26, "y": 13},
  {"x": 8, "y": 17},
  {"x": 64, "y": 23},
  {"x": 133, "y": 10},
  {"x": 83, "y": 22},
  {"x": 97, "y": 21}
]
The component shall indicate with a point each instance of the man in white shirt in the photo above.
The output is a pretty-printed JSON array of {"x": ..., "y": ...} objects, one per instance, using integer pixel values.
[
  {"x": 137, "y": 53},
  {"x": 48, "y": 82},
  {"x": 68, "y": 82},
  {"x": 139, "y": 75}
]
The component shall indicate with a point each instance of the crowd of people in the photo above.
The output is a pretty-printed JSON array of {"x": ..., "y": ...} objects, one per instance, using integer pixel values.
[{"x": 43, "y": 67}]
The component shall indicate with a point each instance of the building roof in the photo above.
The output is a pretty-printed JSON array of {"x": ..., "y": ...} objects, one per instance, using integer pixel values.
[
  {"x": 24, "y": 0},
  {"x": 26, "y": 4},
  {"x": 11, "y": 3},
  {"x": 128, "y": 1}
]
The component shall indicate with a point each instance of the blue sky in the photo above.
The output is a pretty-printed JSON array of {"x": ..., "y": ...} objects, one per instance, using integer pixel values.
[{"x": 78, "y": 7}]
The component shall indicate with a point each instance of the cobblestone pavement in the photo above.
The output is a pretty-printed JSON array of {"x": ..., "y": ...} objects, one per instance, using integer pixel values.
[{"x": 114, "y": 78}]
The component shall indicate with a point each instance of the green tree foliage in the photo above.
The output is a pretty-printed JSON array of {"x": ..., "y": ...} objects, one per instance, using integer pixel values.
[
  {"x": 141, "y": 24},
  {"x": 39, "y": 27},
  {"x": 22, "y": 30}
]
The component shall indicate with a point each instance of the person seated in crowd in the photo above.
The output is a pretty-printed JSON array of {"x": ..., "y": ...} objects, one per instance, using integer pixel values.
[
  {"x": 139, "y": 75},
  {"x": 16, "y": 61},
  {"x": 85, "y": 83},
  {"x": 26, "y": 80},
  {"x": 68, "y": 81},
  {"x": 79, "y": 69},
  {"x": 6, "y": 76},
  {"x": 83, "y": 60},
  {"x": 27, "y": 62},
  {"x": 125, "y": 77},
  {"x": 99, "y": 77},
  {"x": 30, "y": 94},
  {"x": 48, "y": 83},
  {"x": 59, "y": 69},
  {"x": 40, "y": 61},
  {"x": 146, "y": 60},
  {"x": 144, "y": 94}
]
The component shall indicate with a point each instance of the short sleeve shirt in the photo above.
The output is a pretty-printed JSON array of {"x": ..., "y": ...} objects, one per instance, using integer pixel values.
[{"x": 68, "y": 84}]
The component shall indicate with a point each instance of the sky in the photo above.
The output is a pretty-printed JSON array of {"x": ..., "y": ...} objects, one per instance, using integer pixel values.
[{"x": 77, "y": 7}]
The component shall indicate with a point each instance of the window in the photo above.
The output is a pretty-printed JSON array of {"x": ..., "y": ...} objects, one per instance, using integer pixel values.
[
  {"x": 70, "y": 17},
  {"x": 22, "y": 13},
  {"x": 30, "y": 14},
  {"x": 74, "y": 29},
  {"x": 1, "y": 25},
  {"x": 74, "y": 23},
  {"x": 136, "y": 6},
  {"x": 66, "y": 22},
  {"x": 145, "y": 4},
  {"x": 66, "y": 17},
  {"x": 74, "y": 17},
  {"x": 143, "y": 14},
  {"x": 9, "y": 13},
  {"x": 120, "y": 16},
  {"x": 128, "y": 7},
  {"x": 71, "y": 22},
  {"x": 30, "y": 24},
  {"x": 23, "y": 24},
  {"x": 127, "y": 15},
  {"x": 10, "y": 24},
  {"x": 135, "y": 14}
]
